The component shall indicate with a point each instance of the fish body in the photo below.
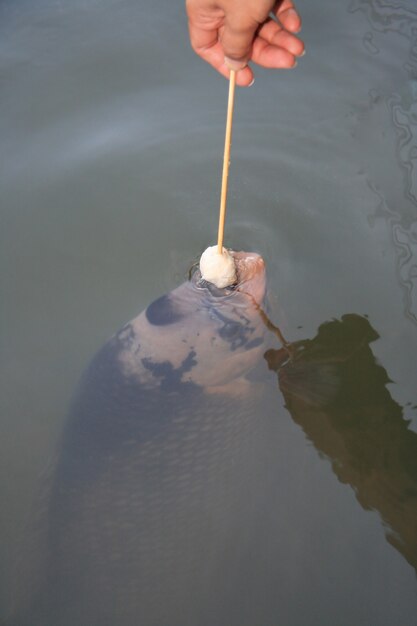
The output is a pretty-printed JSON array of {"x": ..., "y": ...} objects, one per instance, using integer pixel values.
[{"x": 150, "y": 484}]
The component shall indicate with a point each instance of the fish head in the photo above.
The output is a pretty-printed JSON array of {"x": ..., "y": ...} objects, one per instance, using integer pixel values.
[
  {"x": 200, "y": 334},
  {"x": 251, "y": 275}
]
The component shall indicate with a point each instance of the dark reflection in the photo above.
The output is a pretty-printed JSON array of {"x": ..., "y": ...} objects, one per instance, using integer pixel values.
[{"x": 337, "y": 392}]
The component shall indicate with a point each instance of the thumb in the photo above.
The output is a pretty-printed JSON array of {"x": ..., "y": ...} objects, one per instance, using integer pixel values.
[{"x": 236, "y": 41}]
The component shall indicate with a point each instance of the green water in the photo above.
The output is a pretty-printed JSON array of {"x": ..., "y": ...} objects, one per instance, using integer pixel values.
[{"x": 112, "y": 136}]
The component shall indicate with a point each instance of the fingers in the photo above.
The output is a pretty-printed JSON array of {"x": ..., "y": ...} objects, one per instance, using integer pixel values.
[
  {"x": 273, "y": 34},
  {"x": 230, "y": 39},
  {"x": 275, "y": 47},
  {"x": 272, "y": 57},
  {"x": 288, "y": 16},
  {"x": 215, "y": 56},
  {"x": 206, "y": 44},
  {"x": 236, "y": 39}
]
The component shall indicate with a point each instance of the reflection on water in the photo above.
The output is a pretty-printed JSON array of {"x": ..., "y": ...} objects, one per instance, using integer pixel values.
[{"x": 337, "y": 392}]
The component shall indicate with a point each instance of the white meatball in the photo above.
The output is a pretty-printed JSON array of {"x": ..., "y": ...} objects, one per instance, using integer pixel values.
[{"x": 218, "y": 269}]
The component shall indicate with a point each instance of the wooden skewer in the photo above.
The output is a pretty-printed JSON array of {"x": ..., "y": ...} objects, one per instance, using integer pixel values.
[{"x": 226, "y": 160}]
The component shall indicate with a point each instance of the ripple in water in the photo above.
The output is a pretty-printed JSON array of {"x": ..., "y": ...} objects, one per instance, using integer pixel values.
[{"x": 400, "y": 20}]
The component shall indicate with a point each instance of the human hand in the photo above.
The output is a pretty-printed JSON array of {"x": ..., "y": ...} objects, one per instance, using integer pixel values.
[{"x": 230, "y": 33}]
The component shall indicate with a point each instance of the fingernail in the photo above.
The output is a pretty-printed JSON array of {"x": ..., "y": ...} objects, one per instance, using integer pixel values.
[
  {"x": 293, "y": 13},
  {"x": 251, "y": 83},
  {"x": 303, "y": 53},
  {"x": 234, "y": 65}
]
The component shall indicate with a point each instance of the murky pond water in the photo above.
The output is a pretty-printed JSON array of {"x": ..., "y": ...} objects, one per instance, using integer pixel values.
[{"x": 112, "y": 138}]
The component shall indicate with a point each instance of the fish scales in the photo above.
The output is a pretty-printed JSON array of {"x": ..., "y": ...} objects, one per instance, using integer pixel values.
[{"x": 156, "y": 456}]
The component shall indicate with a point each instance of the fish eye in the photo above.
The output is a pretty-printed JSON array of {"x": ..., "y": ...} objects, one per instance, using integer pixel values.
[{"x": 162, "y": 312}]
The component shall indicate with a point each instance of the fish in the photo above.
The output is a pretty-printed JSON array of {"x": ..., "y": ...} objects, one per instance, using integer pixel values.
[{"x": 150, "y": 481}]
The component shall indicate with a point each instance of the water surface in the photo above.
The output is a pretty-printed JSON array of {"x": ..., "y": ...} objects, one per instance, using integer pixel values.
[{"x": 112, "y": 135}]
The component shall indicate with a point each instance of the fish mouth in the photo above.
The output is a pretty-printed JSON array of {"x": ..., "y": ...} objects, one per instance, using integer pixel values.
[{"x": 250, "y": 277}]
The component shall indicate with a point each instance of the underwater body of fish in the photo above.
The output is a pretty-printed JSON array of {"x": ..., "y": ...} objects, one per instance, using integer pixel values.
[{"x": 151, "y": 481}]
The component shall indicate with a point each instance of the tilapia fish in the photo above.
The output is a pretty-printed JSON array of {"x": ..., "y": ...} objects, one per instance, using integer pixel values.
[{"x": 150, "y": 484}]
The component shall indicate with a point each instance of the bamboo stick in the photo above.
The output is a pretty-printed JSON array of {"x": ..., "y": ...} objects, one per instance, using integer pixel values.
[{"x": 226, "y": 160}]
